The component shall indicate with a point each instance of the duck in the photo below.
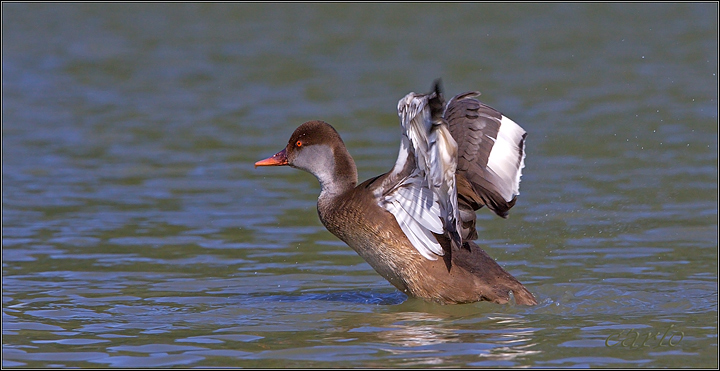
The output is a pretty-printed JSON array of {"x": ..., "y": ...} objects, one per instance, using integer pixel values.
[{"x": 415, "y": 224}]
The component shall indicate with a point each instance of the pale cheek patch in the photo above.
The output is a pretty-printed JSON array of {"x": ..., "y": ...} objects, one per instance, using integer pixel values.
[{"x": 318, "y": 160}]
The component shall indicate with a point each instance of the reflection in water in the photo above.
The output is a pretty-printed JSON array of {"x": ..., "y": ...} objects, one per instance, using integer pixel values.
[
  {"x": 422, "y": 329},
  {"x": 517, "y": 340},
  {"x": 416, "y": 334}
]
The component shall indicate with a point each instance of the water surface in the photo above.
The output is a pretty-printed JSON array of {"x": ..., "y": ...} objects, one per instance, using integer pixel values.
[{"x": 136, "y": 232}]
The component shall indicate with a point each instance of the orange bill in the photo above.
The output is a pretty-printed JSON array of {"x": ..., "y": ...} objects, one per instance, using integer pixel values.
[{"x": 279, "y": 159}]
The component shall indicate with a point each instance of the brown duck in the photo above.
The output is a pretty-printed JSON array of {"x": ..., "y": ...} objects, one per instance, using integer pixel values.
[{"x": 415, "y": 224}]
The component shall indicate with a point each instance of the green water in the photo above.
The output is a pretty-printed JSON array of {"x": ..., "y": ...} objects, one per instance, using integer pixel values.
[{"x": 136, "y": 232}]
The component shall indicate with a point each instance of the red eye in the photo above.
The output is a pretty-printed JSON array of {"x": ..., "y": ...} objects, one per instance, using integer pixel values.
[{"x": 298, "y": 143}]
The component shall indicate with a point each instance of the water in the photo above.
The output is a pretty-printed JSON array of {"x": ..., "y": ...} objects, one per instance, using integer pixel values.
[{"x": 136, "y": 232}]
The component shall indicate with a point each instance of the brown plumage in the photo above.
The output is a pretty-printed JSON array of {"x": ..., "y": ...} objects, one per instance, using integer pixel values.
[{"x": 368, "y": 217}]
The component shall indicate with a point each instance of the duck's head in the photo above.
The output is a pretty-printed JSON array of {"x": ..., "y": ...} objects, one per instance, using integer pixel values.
[{"x": 317, "y": 148}]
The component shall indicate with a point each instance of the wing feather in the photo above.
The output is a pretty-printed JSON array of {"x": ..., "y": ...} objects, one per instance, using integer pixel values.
[
  {"x": 453, "y": 160},
  {"x": 420, "y": 191},
  {"x": 491, "y": 155}
]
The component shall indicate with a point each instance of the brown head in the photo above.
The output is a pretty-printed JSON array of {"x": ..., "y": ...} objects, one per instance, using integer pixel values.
[{"x": 317, "y": 148}]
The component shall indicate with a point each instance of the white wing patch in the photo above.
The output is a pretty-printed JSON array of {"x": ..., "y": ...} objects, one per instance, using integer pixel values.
[
  {"x": 504, "y": 157},
  {"x": 425, "y": 200}
]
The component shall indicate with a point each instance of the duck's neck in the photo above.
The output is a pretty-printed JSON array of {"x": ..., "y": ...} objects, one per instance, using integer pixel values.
[{"x": 341, "y": 177}]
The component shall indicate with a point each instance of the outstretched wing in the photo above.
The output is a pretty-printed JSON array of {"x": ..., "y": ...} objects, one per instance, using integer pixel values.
[
  {"x": 491, "y": 155},
  {"x": 420, "y": 191}
]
